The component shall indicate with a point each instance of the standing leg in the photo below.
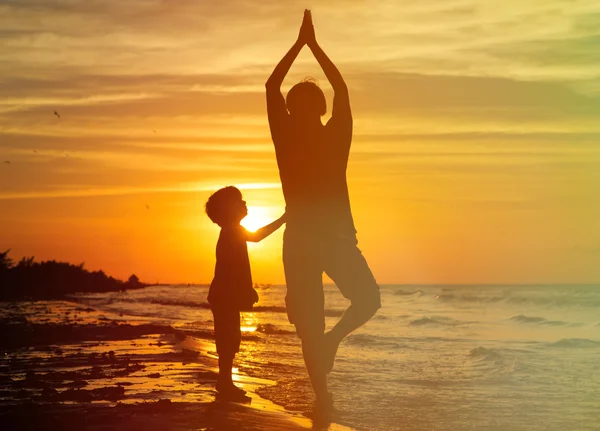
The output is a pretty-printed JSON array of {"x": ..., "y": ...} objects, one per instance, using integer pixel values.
[
  {"x": 225, "y": 366},
  {"x": 311, "y": 351},
  {"x": 227, "y": 340},
  {"x": 305, "y": 304}
]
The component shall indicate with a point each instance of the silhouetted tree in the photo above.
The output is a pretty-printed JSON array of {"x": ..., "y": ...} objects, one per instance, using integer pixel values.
[
  {"x": 26, "y": 262},
  {"x": 51, "y": 279},
  {"x": 5, "y": 261}
]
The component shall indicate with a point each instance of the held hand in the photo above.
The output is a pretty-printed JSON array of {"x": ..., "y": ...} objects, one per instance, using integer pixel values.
[{"x": 307, "y": 30}]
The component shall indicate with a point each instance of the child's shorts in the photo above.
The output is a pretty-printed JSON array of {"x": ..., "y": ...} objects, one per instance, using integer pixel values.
[{"x": 228, "y": 334}]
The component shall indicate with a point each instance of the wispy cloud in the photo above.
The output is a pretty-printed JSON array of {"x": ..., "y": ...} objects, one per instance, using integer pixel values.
[
  {"x": 485, "y": 104},
  {"x": 83, "y": 191},
  {"x": 460, "y": 37}
]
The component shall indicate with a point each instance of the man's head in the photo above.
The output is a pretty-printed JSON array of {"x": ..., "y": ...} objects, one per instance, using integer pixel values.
[
  {"x": 306, "y": 100},
  {"x": 226, "y": 206}
]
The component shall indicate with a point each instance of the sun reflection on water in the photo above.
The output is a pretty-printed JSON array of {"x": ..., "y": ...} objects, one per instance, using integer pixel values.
[{"x": 249, "y": 322}]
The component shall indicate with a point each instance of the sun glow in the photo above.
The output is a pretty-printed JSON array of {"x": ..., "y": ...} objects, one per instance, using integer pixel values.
[{"x": 257, "y": 217}]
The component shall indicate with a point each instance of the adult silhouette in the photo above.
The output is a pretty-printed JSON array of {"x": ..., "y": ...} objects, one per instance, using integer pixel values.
[{"x": 320, "y": 235}]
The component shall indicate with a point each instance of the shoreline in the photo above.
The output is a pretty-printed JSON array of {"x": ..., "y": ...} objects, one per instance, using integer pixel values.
[{"x": 66, "y": 365}]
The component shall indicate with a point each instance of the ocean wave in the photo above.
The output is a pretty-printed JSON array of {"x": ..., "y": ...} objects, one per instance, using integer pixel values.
[
  {"x": 365, "y": 340},
  {"x": 578, "y": 343},
  {"x": 271, "y": 308},
  {"x": 178, "y": 303},
  {"x": 174, "y": 302},
  {"x": 257, "y": 308},
  {"x": 435, "y": 321},
  {"x": 361, "y": 339},
  {"x": 400, "y": 292},
  {"x": 207, "y": 334},
  {"x": 533, "y": 319},
  {"x": 269, "y": 328},
  {"x": 553, "y": 297},
  {"x": 333, "y": 313},
  {"x": 483, "y": 353},
  {"x": 150, "y": 300},
  {"x": 450, "y": 297},
  {"x": 282, "y": 309},
  {"x": 561, "y": 301}
]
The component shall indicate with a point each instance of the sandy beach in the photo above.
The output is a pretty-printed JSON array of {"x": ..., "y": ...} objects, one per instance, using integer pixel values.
[
  {"x": 435, "y": 358},
  {"x": 66, "y": 366}
]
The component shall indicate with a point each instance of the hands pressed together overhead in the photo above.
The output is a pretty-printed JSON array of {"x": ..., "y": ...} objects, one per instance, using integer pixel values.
[
  {"x": 307, "y": 30},
  {"x": 306, "y": 36}
]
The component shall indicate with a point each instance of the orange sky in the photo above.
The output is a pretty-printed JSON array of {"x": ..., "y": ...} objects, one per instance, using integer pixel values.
[{"x": 476, "y": 152}]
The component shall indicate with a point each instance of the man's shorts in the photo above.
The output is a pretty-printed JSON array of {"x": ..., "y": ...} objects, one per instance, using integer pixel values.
[
  {"x": 228, "y": 334},
  {"x": 305, "y": 258}
]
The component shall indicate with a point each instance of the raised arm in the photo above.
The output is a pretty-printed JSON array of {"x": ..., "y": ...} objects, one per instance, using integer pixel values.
[
  {"x": 276, "y": 109},
  {"x": 341, "y": 99},
  {"x": 265, "y": 231},
  {"x": 276, "y": 79}
]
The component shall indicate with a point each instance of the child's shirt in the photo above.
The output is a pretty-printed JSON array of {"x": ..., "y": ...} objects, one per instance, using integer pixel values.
[{"x": 232, "y": 283}]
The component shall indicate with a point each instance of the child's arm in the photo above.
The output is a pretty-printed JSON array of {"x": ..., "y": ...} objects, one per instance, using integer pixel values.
[{"x": 265, "y": 231}]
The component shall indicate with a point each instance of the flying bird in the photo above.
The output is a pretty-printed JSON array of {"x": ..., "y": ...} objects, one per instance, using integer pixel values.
[
  {"x": 147, "y": 207},
  {"x": 7, "y": 162},
  {"x": 35, "y": 151},
  {"x": 154, "y": 131},
  {"x": 57, "y": 114}
]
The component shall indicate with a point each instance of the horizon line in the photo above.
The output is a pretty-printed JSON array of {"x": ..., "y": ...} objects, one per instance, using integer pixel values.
[{"x": 408, "y": 284}]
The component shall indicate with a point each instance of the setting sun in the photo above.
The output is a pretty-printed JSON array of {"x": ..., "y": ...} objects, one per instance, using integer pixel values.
[
  {"x": 257, "y": 217},
  {"x": 251, "y": 215}
]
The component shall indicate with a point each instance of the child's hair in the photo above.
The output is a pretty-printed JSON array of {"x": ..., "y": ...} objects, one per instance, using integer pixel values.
[
  {"x": 219, "y": 203},
  {"x": 306, "y": 98}
]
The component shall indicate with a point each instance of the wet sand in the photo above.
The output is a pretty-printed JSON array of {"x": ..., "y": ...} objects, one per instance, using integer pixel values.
[{"x": 66, "y": 366}]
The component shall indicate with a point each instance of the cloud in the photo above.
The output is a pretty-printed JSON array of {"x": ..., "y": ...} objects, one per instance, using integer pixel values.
[
  {"x": 477, "y": 104},
  {"x": 144, "y": 37},
  {"x": 383, "y": 103},
  {"x": 86, "y": 191},
  {"x": 83, "y": 84},
  {"x": 178, "y": 86}
]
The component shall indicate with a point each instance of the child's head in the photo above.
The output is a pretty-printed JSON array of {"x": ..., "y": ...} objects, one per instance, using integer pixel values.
[
  {"x": 226, "y": 206},
  {"x": 306, "y": 99}
]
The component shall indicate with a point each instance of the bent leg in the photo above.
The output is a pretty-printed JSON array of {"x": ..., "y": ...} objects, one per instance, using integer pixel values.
[
  {"x": 348, "y": 268},
  {"x": 354, "y": 317}
]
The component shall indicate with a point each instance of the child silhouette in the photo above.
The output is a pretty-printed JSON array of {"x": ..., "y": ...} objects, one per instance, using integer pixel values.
[{"x": 231, "y": 290}]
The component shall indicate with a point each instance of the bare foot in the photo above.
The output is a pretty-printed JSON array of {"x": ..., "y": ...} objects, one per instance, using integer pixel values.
[
  {"x": 229, "y": 388},
  {"x": 322, "y": 413},
  {"x": 330, "y": 347},
  {"x": 231, "y": 392}
]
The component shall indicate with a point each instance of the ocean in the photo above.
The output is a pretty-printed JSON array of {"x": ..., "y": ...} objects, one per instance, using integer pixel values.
[{"x": 433, "y": 358}]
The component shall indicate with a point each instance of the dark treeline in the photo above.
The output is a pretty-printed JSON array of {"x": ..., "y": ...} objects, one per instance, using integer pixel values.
[{"x": 28, "y": 279}]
